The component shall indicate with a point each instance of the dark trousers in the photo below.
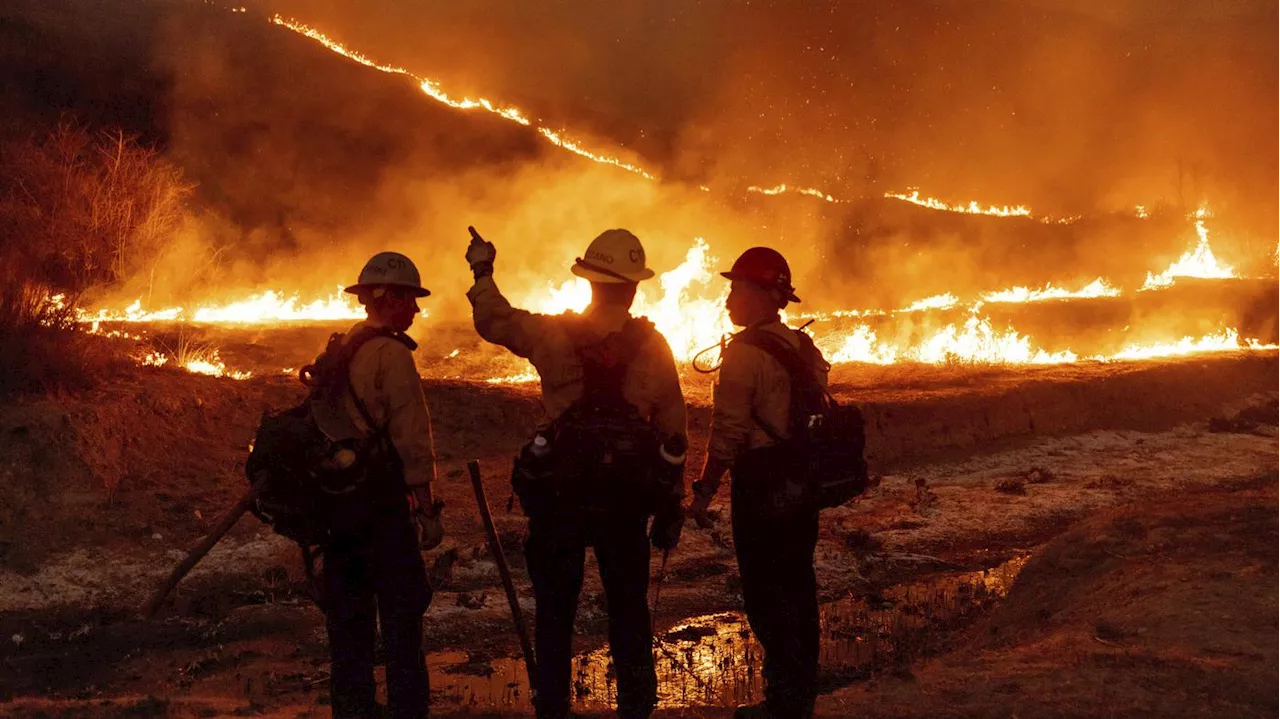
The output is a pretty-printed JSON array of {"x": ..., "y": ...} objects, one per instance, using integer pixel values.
[
  {"x": 780, "y": 592},
  {"x": 555, "y": 552},
  {"x": 375, "y": 576}
]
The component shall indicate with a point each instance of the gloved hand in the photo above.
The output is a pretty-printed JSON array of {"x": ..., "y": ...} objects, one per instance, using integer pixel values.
[
  {"x": 667, "y": 525},
  {"x": 480, "y": 254},
  {"x": 425, "y": 512},
  {"x": 698, "y": 509}
]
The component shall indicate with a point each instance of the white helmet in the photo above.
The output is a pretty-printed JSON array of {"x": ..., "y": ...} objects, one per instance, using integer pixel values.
[
  {"x": 616, "y": 256},
  {"x": 390, "y": 269}
]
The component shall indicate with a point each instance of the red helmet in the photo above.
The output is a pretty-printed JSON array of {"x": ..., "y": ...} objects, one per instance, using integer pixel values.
[{"x": 763, "y": 266}]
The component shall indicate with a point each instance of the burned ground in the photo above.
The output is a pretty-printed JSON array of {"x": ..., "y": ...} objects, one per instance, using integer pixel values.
[{"x": 104, "y": 491}]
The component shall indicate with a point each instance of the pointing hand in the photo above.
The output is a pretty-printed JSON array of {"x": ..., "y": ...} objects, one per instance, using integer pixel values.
[{"x": 480, "y": 252}]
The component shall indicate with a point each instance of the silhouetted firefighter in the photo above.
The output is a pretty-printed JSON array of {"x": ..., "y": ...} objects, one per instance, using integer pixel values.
[
  {"x": 351, "y": 471},
  {"x": 791, "y": 449},
  {"x": 610, "y": 455}
]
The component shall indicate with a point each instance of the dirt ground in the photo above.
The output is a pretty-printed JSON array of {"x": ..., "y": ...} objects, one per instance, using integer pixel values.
[{"x": 1143, "y": 528}]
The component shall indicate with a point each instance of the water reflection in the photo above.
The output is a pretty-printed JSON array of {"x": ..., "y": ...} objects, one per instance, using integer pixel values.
[{"x": 713, "y": 660}]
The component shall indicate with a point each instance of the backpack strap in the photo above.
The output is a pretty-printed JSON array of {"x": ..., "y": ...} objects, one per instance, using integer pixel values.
[
  {"x": 792, "y": 361},
  {"x": 351, "y": 348},
  {"x": 334, "y": 365},
  {"x": 605, "y": 361}
]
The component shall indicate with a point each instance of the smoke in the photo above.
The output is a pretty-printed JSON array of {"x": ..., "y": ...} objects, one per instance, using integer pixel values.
[
  {"x": 1070, "y": 107},
  {"x": 308, "y": 163}
]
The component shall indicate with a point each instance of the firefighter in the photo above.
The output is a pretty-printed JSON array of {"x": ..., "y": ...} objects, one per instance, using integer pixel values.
[
  {"x": 773, "y": 535},
  {"x": 584, "y": 361},
  {"x": 373, "y": 568}
]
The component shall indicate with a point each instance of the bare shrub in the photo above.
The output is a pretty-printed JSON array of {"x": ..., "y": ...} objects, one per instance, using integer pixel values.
[
  {"x": 82, "y": 209},
  {"x": 79, "y": 210}
]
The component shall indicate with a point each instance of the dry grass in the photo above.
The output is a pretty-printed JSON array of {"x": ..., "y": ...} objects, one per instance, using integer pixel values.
[
  {"x": 80, "y": 211},
  {"x": 46, "y": 359},
  {"x": 40, "y": 349}
]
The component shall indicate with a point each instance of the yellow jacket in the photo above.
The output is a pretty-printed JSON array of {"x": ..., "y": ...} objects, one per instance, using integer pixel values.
[
  {"x": 652, "y": 384},
  {"x": 385, "y": 378},
  {"x": 751, "y": 382}
]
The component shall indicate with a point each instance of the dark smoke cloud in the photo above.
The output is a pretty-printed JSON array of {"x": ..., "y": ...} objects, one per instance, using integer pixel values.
[
  {"x": 308, "y": 163},
  {"x": 1067, "y": 106}
]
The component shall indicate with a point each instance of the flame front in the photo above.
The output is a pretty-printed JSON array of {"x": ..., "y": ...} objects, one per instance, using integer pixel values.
[
  {"x": 975, "y": 341},
  {"x": 431, "y": 88},
  {"x": 207, "y": 363},
  {"x": 972, "y": 208},
  {"x": 1097, "y": 288},
  {"x": 681, "y": 313},
  {"x": 1197, "y": 262},
  {"x": 269, "y": 307},
  {"x": 687, "y": 303}
]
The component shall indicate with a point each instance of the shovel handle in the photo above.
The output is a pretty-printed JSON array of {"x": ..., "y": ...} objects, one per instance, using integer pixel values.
[
  {"x": 197, "y": 552},
  {"x": 495, "y": 548}
]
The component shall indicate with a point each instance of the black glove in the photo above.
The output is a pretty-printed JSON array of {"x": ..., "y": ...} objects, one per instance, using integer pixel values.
[
  {"x": 480, "y": 255},
  {"x": 667, "y": 525},
  {"x": 426, "y": 522}
]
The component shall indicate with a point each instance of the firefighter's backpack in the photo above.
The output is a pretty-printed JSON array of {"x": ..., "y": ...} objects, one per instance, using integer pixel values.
[
  {"x": 603, "y": 451},
  {"x": 315, "y": 474},
  {"x": 826, "y": 440}
]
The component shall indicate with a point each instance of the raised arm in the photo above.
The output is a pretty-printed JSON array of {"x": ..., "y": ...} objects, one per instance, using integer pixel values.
[{"x": 495, "y": 319}]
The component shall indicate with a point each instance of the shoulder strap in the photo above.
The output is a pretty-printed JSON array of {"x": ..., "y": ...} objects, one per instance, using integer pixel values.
[
  {"x": 348, "y": 355},
  {"x": 792, "y": 361},
  {"x": 789, "y": 357},
  {"x": 605, "y": 360}
]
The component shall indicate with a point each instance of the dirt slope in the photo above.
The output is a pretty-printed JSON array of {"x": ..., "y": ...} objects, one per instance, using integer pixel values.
[{"x": 1164, "y": 608}]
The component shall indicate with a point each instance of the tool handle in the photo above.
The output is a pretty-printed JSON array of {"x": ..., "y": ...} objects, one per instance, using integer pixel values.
[
  {"x": 495, "y": 548},
  {"x": 197, "y": 553}
]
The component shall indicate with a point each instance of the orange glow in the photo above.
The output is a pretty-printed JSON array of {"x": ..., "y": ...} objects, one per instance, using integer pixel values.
[
  {"x": 207, "y": 363},
  {"x": 974, "y": 341},
  {"x": 1228, "y": 340},
  {"x": 1196, "y": 262},
  {"x": 267, "y": 307},
  {"x": 781, "y": 189},
  {"x": 937, "y": 302},
  {"x": 431, "y": 88},
  {"x": 1097, "y": 288},
  {"x": 683, "y": 315},
  {"x": 687, "y": 303},
  {"x": 972, "y": 208}
]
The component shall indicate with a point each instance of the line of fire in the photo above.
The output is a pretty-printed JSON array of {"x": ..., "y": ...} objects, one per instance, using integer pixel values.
[{"x": 1038, "y": 246}]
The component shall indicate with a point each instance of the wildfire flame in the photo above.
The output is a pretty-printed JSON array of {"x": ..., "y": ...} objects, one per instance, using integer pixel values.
[
  {"x": 974, "y": 341},
  {"x": 937, "y": 302},
  {"x": 687, "y": 307},
  {"x": 1227, "y": 339},
  {"x": 207, "y": 363},
  {"x": 688, "y": 321},
  {"x": 972, "y": 208},
  {"x": 1197, "y": 262},
  {"x": 267, "y": 307},
  {"x": 431, "y": 88},
  {"x": 1097, "y": 288},
  {"x": 783, "y": 188}
]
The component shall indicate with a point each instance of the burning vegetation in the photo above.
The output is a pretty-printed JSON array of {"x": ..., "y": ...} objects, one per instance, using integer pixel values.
[
  {"x": 1000, "y": 237},
  {"x": 956, "y": 325}
]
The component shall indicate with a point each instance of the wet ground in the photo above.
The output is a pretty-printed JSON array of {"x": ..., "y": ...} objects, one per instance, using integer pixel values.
[
  {"x": 714, "y": 661},
  {"x": 906, "y": 574}
]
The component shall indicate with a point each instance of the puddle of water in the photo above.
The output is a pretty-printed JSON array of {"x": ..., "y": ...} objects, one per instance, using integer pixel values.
[{"x": 713, "y": 660}]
